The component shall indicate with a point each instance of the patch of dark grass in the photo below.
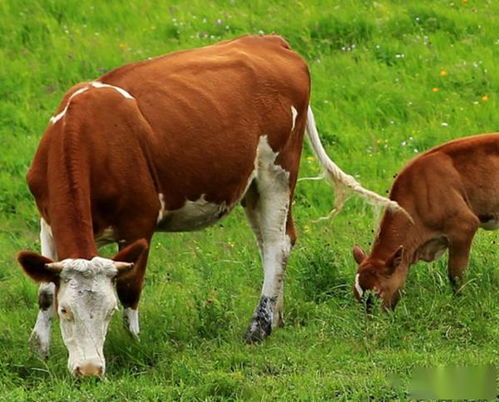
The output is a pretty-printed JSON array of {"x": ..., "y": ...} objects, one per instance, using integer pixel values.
[
  {"x": 335, "y": 33},
  {"x": 320, "y": 273}
]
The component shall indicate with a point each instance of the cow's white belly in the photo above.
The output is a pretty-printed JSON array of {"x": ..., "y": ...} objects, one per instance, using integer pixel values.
[
  {"x": 199, "y": 214},
  {"x": 193, "y": 215}
]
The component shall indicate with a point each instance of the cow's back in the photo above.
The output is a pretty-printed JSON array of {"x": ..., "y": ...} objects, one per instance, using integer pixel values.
[
  {"x": 245, "y": 81},
  {"x": 208, "y": 108}
]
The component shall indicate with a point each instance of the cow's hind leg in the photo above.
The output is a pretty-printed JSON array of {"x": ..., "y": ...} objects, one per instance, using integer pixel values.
[
  {"x": 279, "y": 310},
  {"x": 267, "y": 209},
  {"x": 40, "y": 336}
]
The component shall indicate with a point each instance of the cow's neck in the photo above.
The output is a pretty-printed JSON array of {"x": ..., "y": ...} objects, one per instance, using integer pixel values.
[{"x": 70, "y": 204}]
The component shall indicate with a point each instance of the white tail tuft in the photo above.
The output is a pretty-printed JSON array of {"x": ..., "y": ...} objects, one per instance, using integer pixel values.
[{"x": 344, "y": 183}]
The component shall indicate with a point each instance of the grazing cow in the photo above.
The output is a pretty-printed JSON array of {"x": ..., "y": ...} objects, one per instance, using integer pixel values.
[
  {"x": 449, "y": 192},
  {"x": 171, "y": 144}
]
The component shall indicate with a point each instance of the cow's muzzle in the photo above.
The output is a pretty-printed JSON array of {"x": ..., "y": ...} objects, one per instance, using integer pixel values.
[{"x": 89, "y": 370}]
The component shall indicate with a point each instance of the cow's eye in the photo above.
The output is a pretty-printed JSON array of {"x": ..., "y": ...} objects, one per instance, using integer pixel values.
[{"x": 64, "y": 312}]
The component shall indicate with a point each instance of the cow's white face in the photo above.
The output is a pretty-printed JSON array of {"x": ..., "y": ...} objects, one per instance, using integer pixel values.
[
  {"x": 86, "y": 302},
  {"x": 86, "y": 299}
]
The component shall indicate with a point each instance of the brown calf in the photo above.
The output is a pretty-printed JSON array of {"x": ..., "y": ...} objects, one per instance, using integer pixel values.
[{"x": 449, "y": 191}]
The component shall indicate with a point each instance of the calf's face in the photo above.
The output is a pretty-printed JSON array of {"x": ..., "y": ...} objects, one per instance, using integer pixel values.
[
  {"x": 85, "y": 301},
  {"x": 384, "y": 279}
]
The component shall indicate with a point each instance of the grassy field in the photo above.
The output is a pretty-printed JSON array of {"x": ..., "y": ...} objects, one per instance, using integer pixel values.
[{"x": 390, "y": 80}]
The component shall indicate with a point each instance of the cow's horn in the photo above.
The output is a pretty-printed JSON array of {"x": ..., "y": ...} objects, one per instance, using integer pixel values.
[
  {"x": 55, "y": 267},
  {"x": 123, "y": 266}
]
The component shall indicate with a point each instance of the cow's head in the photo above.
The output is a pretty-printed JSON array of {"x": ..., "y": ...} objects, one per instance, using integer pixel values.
[
  {"x": 384, "y": 279},
  {"x": 85, "y": 300}
]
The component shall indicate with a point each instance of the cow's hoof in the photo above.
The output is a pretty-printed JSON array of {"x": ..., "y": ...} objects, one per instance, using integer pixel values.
[
  {"x": 131, "y": 322},
  {"x": 135, "y": 335},
  {"x": 39, "y": 345},
  {"x": 278, "y": 320},
  {"x": 258, "y": 330},
  {"x": 261, "y": 323}
]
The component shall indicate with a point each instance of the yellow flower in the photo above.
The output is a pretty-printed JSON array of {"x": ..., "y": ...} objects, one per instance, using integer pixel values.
[
  {"x": 435, "y": 89},
  {"x": 310, "y": 159},
  {"x": 443, "y": 73},
  {"x": 485, "y": 98},
  {"x": 237, "y": 375},
  {"x": 122, "y": 45}
]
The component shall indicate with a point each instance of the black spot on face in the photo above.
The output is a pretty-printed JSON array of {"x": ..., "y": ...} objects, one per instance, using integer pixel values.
[{"x": 45, "y": 300}]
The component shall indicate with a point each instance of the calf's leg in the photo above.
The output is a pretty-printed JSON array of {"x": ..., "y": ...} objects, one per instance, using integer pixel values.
[{"x": 460, "y": 239}]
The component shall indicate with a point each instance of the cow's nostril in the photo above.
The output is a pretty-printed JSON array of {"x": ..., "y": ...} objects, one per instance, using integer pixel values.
[{"x": 89, "y": 370}]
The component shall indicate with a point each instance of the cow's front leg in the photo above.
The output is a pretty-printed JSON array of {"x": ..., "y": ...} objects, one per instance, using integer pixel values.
[
  {"x": 131, "y": 321},
  {"x": 40, "y": 336},
  {"x": 129, "y": 289}
]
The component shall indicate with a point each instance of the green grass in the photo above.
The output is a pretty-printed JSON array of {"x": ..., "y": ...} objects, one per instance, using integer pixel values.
[{"x": 374, "y": 65}]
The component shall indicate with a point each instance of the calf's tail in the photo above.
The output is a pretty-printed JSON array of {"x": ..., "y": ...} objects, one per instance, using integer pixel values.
[{"x": 344, "y": 184}]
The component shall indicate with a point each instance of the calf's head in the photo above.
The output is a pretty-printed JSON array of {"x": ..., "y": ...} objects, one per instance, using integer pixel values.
[
  {"x": 383, "y": 278},
  {"x": 85, "y": 300}
]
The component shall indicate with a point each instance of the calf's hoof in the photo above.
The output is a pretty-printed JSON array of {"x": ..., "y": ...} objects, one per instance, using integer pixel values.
[{"x": 456, "y": 285}]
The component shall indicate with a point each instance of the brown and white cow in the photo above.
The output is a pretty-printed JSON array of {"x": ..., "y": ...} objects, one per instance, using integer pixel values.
[
  {"x": 449, "y": 192},
  {"x": 170, "y": 144}
]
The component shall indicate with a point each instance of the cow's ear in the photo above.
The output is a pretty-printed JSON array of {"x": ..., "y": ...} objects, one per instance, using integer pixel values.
[
  {"x": 126, "y": 259},
  {"x": 358, "y": 254},
  {"x": 38, "y": 267},
  {"x": 395, "y": 260}
]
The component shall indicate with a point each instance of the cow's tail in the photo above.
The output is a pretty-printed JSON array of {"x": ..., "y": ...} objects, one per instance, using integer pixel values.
[{"x": 344, "y": 184}]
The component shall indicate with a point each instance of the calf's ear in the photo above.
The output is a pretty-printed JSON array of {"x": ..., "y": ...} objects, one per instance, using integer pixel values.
[
  {"x": 358, "y": 254},
  {"x": 38, "y": 267},
  {"x": 126, "y": 259},
  {"x": 395, "y": 260}
]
